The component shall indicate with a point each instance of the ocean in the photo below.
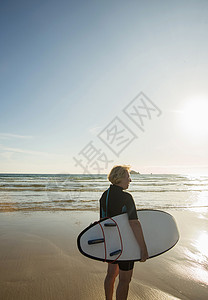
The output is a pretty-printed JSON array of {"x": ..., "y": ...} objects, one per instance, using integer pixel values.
[{"x": 47, "y": 192}]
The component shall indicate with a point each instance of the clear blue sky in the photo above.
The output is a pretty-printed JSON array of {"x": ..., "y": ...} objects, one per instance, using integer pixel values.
[{"x": 68, "y": 68}]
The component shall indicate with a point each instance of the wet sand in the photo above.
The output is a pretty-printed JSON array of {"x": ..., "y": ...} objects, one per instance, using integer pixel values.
[{"x": 39, "y": 260}]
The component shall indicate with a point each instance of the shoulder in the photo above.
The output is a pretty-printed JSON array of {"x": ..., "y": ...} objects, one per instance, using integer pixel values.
[
  {"x": 103, "y": 195},
  {"x": 127, "y": 195},
  {"x": 128, "y": 198}
]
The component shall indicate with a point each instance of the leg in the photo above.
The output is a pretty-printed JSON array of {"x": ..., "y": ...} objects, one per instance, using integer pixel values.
[
  {"x": 112, "y": 273},
  {"x": 123, "y": 285}
]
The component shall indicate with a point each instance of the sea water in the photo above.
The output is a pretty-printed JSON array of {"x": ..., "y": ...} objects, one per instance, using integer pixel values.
[{"x": 53, "y": 192}]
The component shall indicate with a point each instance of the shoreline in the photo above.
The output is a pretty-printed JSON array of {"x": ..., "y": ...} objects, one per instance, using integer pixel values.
[{"x": 39, "y": 259}]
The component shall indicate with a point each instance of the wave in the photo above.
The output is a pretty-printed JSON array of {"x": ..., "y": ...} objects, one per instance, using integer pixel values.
[
  {"x": 21, "y": 185},
  {"x": 13, "y": 208},
  {"x": 99, "y": 190},
  {"x": 167, "y": 191}
]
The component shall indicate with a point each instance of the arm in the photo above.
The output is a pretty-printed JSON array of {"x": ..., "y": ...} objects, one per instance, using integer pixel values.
[{"x": 138, "y": 233}]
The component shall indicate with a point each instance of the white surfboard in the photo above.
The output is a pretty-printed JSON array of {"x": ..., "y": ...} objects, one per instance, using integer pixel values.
[{"x": 113, "y": 239}]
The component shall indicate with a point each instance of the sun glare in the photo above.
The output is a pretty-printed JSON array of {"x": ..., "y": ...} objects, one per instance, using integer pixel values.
[
  {"x": 202, "y": 244},
  {"x": 195, "y": 117}
]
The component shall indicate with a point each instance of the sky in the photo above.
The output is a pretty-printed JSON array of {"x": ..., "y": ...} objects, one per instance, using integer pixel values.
[{"x": 85, "y": 85}]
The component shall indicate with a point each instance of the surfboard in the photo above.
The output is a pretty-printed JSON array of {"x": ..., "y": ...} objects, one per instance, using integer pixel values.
[{"x": 112, "y": 239}]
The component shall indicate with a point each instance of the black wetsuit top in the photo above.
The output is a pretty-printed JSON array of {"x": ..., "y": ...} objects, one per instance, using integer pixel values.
[{"x": 118, "y": 202}]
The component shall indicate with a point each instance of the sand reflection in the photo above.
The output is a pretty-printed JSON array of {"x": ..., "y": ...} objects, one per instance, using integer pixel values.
[
  {"x": 201, "y": 245},
  {"x": 198, "y": 256}
]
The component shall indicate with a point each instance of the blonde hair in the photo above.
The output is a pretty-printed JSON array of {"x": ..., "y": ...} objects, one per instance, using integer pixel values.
[{"x": 118, "y": 173}]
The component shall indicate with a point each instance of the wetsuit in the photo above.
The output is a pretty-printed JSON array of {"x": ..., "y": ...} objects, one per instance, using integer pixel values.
[{"x": 114, "y": 202}]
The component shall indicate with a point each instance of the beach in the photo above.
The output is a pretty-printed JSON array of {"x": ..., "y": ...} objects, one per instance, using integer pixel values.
[{"x": 39, "y": 259}]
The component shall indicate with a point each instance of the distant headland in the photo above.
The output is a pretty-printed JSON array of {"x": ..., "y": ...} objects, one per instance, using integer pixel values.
[{"x": 134, "y": 172}]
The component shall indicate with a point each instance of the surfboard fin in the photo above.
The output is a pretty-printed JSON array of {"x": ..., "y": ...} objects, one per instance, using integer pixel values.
[
  {"x": 96, "y": 241},
  {"x": 115, "y": 252},
  {"x": 110, "y": 224}
]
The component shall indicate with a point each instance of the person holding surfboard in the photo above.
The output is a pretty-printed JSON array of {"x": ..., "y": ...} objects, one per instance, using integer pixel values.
[{"x": 113, "y": 202}]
